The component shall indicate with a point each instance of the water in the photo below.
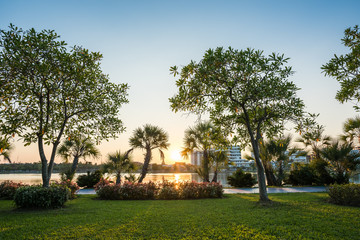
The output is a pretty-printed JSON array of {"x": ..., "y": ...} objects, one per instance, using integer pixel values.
[{"x": 35, "y": 178}]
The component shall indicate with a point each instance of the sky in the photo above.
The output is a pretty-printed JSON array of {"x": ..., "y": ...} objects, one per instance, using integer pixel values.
[{"x": 140, "y": 40}]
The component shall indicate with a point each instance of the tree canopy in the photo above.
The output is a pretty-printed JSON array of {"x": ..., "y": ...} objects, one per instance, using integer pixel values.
[
  {"x": 245, "y": 92},
  {"x": 346, "y": 68},
  {"x": 50, "y": 91}
]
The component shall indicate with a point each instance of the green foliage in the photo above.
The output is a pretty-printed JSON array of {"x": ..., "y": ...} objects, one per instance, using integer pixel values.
[
  {"x": 166, "y": 190},
  {"x": 237, "y": 216},
  {"x": 5, "y": 148},
  {"x": 346, "y": 68},
  {"x": 342, "y": 160},
  {"x": 241, "y": 179},
  {"x": 90, "y": 179},
  {"x": 204, "y": 137},
  {"x": 245, "y": 93},
  {"x": 351, "y": 129},
  {"x": 69, "y": 184},
  {"x": 37, "y": 196},
  {"x": 8, "y": 189},
  {"x": 315, "y": 173},
  {"x": 49, "y": 92},
  {"x": 118, "y": 163},
  {"x": 148, "y": 138},
  {"x": 303, "y": 175},
  {"x": 346, "y": 194}
]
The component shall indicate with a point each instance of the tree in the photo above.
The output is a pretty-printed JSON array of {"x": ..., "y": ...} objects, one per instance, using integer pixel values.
[
  {"x": 149, "y": 138},
  {"x": 203, "y": 137},
  {"x": 118, "y": 163},
  {"x": 346, "y": 68},
  {"x": 244, "y": 92},
  {"x": 50, "y": 92},
  {"x": 76, "y": 148},
  {"x": 314, "y": 140},
  {"x": 351, "y": 129},
  {"x": 219, "y": 159},
  {"x": 5, "y": 148},
  {"x": 342, "y": 160}
]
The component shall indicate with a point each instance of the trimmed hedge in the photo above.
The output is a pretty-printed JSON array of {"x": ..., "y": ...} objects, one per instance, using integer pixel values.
[
  {"x": 37, "y": 196},
  {"x": 166, "y": 190},
  {"x": 8, "y": 189},
  {"x": 71, "y": 185},
  {"x": 345, "y": 194}
]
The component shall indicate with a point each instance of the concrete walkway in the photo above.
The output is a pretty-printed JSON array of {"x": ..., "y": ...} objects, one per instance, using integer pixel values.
[{"x": 247, "y": 190}]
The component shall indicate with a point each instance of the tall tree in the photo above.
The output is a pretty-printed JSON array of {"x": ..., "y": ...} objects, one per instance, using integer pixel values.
[
  {"x": 346, "y": 68},
  {"x": 149, "y": 138},
  {"x": 342, "y": 160},
  {"x": 351, "y": 129},
  {"x": 314, "y": 140},
  {"x": 245, "y": 92},
  {"x": 5, "y": 148},
  {"x": 203, "y": 137},
  {"x": 76, "y": 148},
  {"x": 118, "y": 163},
  {"x": 50, "y": 92}
]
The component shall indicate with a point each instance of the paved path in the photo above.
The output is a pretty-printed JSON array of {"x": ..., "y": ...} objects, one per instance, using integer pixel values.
[{"x": 247, "y": 190}]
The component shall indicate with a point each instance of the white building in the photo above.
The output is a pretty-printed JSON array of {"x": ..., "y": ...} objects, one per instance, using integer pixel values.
[{"x": 234, "y": 159}]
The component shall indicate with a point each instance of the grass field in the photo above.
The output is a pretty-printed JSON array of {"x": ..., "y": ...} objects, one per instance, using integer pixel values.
[{"x": 292, "y": 216}]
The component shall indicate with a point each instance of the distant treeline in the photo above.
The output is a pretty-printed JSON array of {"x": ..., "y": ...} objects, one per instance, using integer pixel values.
[{"x": 85, "y": 167}]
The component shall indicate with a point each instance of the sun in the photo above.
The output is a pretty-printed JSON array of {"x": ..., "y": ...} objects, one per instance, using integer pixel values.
[{"x": 175, "y": 155}]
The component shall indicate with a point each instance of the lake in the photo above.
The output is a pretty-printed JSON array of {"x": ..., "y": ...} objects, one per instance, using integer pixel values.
[{"x": 35, "y": 178}]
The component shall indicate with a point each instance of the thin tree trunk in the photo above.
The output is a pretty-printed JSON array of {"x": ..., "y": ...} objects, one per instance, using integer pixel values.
[
  {"x": 118, "y": 178},
  {"x": 74, "y": 165},
  {"x": 205, "y": 166},
  {"x": 146, "y": 164},
  {"x": 45, "y": 178}
]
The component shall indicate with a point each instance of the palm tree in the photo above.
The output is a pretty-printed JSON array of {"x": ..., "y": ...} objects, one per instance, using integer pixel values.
[
  {"x": 314, "y": 141},
  {"x": 76, "y": 148},
  {"x": 351, "y": 129},
  {"x": 5, "y": 148},
  {"x": 342, "y": 160},
  {"x": 149, "y": 138},
  {"x": 118, "y": 163},
  {"x": 220, "y": 159},
  {"x": 203, "y": 137}
]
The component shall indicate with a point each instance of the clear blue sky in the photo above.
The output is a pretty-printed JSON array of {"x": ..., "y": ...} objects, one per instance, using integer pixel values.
[{"x": 140, "y": 40}]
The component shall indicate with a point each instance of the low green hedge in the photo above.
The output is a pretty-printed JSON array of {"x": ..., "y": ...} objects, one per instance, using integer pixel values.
[
  {"x": 346, "y": 194},
  {"x": 37, "y": 196},
  {"x": 150, "y": 190}
]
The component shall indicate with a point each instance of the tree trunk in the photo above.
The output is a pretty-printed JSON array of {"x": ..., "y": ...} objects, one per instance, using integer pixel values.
[
  {"x": 205, "y": 167},
  {"x": 260, "y": 172},
  {"x": 146, "y": 164},
  {"x": 45, "y": 178},
  {"x": 215, "y": 176},
  {"x": 74, "y": 165},
  {"x": 118, "y": 178}
]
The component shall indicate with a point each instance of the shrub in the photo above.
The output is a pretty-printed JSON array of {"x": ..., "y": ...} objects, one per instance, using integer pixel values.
[
  {"x": 40, "y": 197},
  {"x": 71, "y": 185},
  {"x": 89, "y": 180},
  {"x": 303, "y": 176},
  {"x": 126, "y": 191},
  {"x": 346, "y": 194},
  {"x": 241, "y": 179},
  {"x": 166, "y": 190},
  {"x": 8, "y": 189}
]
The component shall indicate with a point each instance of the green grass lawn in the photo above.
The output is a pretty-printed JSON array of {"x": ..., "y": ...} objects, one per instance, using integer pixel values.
[{"x": 292, "y": 216}]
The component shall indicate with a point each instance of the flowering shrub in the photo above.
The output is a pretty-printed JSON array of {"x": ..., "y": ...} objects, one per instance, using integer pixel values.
[
  {"x": 345, "y": 194},
  {"x": 150, "y": 190},
  {"x": 167, "y": 190},
  {"x": 194, "y": 190},
  {"x": 8, "y": 189},
  {"x": 71, "y": 185},
  {"x": 37, "y": 196}
]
